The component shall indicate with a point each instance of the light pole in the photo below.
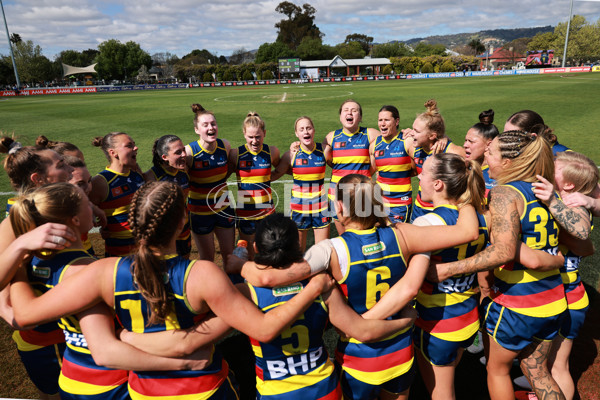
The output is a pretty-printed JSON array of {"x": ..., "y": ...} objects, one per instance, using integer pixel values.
[
  {"x": 12, "y": 56},
  {"x": 567, "y": 35}
]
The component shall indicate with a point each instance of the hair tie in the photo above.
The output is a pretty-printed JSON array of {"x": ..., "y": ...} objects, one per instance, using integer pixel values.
[
  {"x": 533, "y": 135},
  {"x": 14, "y": 147}
]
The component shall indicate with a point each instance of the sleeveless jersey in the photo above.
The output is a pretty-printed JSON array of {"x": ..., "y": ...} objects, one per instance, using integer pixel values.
[
  {"x": 308, "y": 170},
  {"x": 448, "y": 309},
  {"x": 295, "y": 364},
  {"x": 132, "y": 312},
  {"x": 80, "y": 375},
  {"x": 182, "y": 179},
  {"x": 350, "y": 154},
  {"x": 559, "y": 148},
  {"x": 394, "y": 168},
  {"x": 533, "y": 293},
  {"x": 254, "y": 187},
  {"x": 420, "y": 155},
  {"x": 489, "y": 182},
  {"x": 208, "y": 188},
  {"x": 121, "y": 188},
  {"x": 576, "y": 295},
  {"x": 375, "y": 264}
]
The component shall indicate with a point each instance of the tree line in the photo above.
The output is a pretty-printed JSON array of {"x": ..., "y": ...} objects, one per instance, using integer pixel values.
[{"x": 297, "y": 36}]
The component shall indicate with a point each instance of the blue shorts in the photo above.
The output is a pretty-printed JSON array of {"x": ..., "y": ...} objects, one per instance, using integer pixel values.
[
  {"x": 400, "y": 213},
  {"x": 355, "y": 389},
  {"x": 205, "y": 224},
  {"x": 571, "y": 322},
  {"x": 515, "y": 331},
  {"x": 310, "y": 221},
  {"x": 43, "y": 366},
  {"x": 438, "y": 351}
]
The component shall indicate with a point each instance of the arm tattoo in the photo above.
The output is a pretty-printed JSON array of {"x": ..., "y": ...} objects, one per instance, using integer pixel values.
[{"x": 572, "y": 219}]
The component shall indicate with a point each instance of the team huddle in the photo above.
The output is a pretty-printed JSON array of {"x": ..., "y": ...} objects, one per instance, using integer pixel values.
[{"x": 491, "y": 244}]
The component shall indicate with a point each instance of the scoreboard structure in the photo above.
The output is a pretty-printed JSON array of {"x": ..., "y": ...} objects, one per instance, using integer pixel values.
[{"x": 289, "y": 65}]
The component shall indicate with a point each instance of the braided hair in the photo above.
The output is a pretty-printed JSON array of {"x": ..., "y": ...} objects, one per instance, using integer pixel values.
[
  {"x": 530, "y": 155},
  {"x": 155, "y": 210}
]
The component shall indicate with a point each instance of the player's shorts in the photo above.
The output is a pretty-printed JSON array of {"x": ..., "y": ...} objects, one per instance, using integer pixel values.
[
  {"x": 515, "y": 331},
  {"x": 205, "y": 224},
  {"x": 356, "y": 389},
  {"x": 571, "y": 322},
  {"x": 309, "y": 221},
  {"x": 43, "y": 366},
  {"x": 117, "y": 247},
  {"x": 400, "y": 213},
  {"x": 437, "y": 351}
]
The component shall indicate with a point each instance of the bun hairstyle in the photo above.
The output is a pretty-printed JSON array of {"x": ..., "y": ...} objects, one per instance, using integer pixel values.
[
  {"x": 277, "y": 241},
  {"x": 362, "y": 200},
  {"x": 107, "y": 142},
  {"x": 156, "y": 208},
  {"x": 55, "y": 202},
  {"x": 578, "y": 170},
  {"x": 530, "y": 155},
  {"x": 199, "y": 111},
  {"x": 21, "y": 163},
  {"x": 530, "y": 121},
  {"x": 485, "y": 127},
  {"x": 161, "y": 148},
  {"x": 59, "y": 147},
  {"x": 433, "y": 119},
  {"x": 463, "y": 179},
  {"x": 253, "y": 120}
]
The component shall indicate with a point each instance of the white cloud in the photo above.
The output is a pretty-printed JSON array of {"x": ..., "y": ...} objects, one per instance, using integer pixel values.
[{"x": 179, "y": 26}]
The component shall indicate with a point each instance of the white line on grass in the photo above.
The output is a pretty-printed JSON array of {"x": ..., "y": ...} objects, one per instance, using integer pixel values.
[{"x": 283, "y": 97}]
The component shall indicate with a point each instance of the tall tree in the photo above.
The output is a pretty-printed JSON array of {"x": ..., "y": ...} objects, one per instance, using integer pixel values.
[
  {"x": 300, "y": 23},
  {"x": 32, "y": 65},
  {"x": 350, "y": 50},
  {"x": 391, "y": 49},
  {"x": 118, "y": 61},
  {"x": 364, "y": 41},
  {"x": 271, "y": 52},
  {"x": 313, "y": 49},
  {"x": 476, "y": 45},
  {"x": 15, "y": 38}
]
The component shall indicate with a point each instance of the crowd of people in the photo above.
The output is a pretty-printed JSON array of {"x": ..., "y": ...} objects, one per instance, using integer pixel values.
[{"x": 489, "y": 246}]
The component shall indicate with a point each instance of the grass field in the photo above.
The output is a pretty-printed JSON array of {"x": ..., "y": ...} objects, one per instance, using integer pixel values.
[{"x": 569, "y": 103}]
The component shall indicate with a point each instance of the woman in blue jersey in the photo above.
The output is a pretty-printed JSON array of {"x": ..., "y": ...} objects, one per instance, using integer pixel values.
[
  {"x": 91, "y": 343},
  {"x": 169, "y": 164},
  {"x": 296, "y": 363},
  {"x": 391, "y": 157},
  {"x": 208, "y": 202},
  {"x": 530, "y": 121},
  {"x": 113, "y": 188},
  {"x": 156, "y": 290},
  {"x": 478, "y": 138},
  {"x": 252, "y": 163},
  {"x": 309, "y": 203},
  {"x": 347, "y": 149},
  {"x": 427, "y": 129},
  {"x": 573, "y": 172},
  {"x": 28, "y": 168},
  {"x": 448, "y": 317},
  {"x": 523, "y": 314}
]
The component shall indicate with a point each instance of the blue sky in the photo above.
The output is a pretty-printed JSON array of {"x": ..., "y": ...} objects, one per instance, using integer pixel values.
[{"x": 179, "y": 26}]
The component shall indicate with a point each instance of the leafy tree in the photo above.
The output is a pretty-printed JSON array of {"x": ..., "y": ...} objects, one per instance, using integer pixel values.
[
  {"x": 271, "y": 52},
  {"x": 350, "y": 50},
  {"x": 299, "y": 24},
  {"x": 238, "y": 56},
  {"x": 313, "y": 49},
  {"x": 364, "y": 41},
  {"x": 143, "y": 75},
  {"x": 198, "y": 57},
  {"x": 447, "y": 66},
  {"x": 247, "y": 76},
  {"x": 476, "y": 46},
  {"x": 15, "y": 38},
  {"x": 584, "y": 40},
  {"x": 391, "y": 49},
  {"x": 519, "y": 46},
  {"x": 222, "y": 60},
  {"x": 7, "y": 76},
  {"x": 117, "y": 60},
  {"x": 267, "y": 75},
  {"x": 207, "y": 77},
  {"x": 387, "y": 70},
  {"x": 33, "y": 67},
  {"x": 427, "y": 68},
  {"x": 543, "y": 41},
  {"x": 425, "y": 49}
]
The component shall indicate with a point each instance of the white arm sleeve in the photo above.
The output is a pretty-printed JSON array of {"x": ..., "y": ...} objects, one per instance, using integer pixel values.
[
  {"x": 342, "y": 254},
  {"x": 318, "y": 256}
]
